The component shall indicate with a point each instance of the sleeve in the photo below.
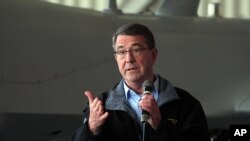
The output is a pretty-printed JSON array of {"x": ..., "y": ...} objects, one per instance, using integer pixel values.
[
  {"x": 83, "y": 133},
  {"x": 191, "y": 125},
  {"x": 194, "y": 126}
]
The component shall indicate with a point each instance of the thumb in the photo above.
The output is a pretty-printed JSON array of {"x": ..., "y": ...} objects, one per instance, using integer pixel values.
[{"x": 90, "y": 96}]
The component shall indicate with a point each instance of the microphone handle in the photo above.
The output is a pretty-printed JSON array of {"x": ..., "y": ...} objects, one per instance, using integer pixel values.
[{"x": 145, "y": 114}]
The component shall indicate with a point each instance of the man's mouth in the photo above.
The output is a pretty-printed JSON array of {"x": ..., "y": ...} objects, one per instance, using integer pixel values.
[{"x": 130, "y": 69}]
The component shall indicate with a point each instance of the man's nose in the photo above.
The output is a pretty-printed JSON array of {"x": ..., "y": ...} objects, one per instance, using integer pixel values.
[{"x": 129, "y": 57}]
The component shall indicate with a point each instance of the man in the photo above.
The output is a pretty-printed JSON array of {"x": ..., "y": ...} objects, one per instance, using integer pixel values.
[{"x": 174, "y": 114}]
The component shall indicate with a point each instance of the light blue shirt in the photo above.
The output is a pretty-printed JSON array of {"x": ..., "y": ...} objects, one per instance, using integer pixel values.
[{"x": 134, "y": 98}]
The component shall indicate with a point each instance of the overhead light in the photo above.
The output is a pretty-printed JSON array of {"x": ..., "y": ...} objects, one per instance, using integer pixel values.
[
  {"x": 213, "y": 9},
  {"x": 112, "y": 8}
]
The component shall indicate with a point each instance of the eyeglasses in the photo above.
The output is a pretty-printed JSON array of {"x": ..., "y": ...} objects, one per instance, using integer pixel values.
[{"x": 135, "y": 51}]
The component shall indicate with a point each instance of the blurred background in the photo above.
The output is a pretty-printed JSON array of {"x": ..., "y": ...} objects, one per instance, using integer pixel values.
[{"x": 51, "y": 51}]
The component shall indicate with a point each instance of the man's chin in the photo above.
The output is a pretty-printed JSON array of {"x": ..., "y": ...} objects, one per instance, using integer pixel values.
[{"x": 133, "y": 78}]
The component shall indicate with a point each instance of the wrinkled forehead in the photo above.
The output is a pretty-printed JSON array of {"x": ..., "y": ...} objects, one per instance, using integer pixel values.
[{"x": 128, "y": 41}]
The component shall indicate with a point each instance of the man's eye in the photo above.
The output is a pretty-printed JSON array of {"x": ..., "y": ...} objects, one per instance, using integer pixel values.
[
  {"x": 136, "y": 50},
  {"x": 121, "y": 52}
]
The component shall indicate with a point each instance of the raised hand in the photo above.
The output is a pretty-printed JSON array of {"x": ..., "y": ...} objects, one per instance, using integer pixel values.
[{"x": 97, "y": 115}]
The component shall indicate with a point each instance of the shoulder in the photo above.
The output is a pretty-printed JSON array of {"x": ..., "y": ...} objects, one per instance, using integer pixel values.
[{"x": 186, "y": 98}]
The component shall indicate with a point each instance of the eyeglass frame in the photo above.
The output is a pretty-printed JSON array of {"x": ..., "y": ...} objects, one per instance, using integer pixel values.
[{"x": 134, "y": 51}]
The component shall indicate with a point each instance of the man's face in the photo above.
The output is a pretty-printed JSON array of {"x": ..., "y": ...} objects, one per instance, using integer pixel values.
[{"x": 134, "y": 66}]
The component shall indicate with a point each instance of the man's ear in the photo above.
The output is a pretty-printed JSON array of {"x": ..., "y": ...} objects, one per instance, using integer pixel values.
[
  {"x": 154, "y": 53},
  {"x": 115, "y": 57}
]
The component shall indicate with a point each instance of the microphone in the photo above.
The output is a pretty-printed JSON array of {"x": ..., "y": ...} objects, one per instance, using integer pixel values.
[{"x": 148, "y": 87}]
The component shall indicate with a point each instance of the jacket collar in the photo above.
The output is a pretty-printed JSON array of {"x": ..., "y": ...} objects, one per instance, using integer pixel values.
[
  {"x": 116, "y": 99},
  {"x": 166, "y": 91}
]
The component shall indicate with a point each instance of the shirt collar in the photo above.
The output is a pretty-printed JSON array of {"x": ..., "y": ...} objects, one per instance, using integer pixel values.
[{"x": 126, "y": 88}]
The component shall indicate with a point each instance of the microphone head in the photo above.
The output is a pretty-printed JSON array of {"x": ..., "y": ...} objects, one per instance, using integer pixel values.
[{"x": 148, "y": 85}]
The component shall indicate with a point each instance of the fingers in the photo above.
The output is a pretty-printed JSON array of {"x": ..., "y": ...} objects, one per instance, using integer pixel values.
[
  {"x": 90, "y": 96},
  {"x": 97, "y": 114},
  {"x": 100, "y": 107},
  {"x": 148, "y": 103},
  {"x": 97, "y": 106},
  {"x": 104, "y": 116}
]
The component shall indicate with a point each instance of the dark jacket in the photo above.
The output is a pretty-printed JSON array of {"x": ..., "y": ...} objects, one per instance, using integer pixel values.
[{"x": 183, "y": 118}]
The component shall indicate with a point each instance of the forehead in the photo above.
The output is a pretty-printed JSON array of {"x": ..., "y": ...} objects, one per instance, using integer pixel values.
[{"x": 125, "y": 41}]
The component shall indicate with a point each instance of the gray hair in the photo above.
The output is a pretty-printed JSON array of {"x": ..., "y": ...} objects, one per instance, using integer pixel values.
[{"x": 135, "y": 29}]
